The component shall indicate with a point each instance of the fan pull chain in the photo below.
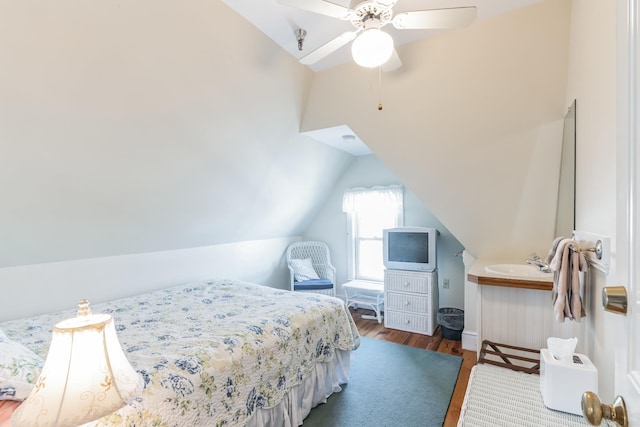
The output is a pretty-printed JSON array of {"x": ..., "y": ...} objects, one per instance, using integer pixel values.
[{"x": 379, "y": 89}]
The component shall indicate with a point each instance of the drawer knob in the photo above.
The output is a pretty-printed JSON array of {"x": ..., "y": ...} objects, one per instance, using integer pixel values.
[
  {"x": 407, "y": 284},
  {"x": 407, "y": 321},
  {"x": 406, "y": 303}
]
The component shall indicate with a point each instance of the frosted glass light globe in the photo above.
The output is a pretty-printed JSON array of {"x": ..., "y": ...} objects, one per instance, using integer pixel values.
[{"x": 372, "y": 48}]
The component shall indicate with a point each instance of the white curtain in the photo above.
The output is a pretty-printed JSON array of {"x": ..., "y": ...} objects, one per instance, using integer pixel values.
[{"x": 366, "y": 199}]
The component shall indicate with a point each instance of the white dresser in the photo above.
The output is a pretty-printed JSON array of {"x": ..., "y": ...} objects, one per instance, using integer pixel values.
[{"x": 411, "y": 300}]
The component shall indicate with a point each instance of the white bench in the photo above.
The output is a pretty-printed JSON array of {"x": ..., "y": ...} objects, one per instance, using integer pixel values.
[
  {"x": 366, "y": 294},
  {"x": 501, "y": 397}
]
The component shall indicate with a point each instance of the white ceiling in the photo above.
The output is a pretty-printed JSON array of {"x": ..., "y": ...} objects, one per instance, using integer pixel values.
[
  {"x": 279, "y": 22},
  {"x": 342, "y": 138}
]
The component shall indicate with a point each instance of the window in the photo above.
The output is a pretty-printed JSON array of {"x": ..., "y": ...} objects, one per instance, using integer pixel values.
[{"x": 369, "y": 212}]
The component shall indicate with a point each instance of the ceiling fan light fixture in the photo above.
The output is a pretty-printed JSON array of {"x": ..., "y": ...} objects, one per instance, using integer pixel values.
[{"x": 372, "y": 48}]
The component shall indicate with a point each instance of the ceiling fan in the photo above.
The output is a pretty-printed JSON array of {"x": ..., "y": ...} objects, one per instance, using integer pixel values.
[{"x": 374, "y": 47}]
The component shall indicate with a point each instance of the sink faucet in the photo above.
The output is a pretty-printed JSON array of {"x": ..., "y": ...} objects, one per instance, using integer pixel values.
[{"x": 534, "y": 259}]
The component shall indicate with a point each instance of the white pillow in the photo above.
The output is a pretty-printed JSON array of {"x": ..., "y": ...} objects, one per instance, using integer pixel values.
[
  {"x": 19, "y": 369},
  {"x": 303, "y": 270}
]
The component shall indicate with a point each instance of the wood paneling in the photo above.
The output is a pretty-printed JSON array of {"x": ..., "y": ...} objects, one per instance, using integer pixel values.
[
  {"x": 372, "y": 329},
  {"x": 521, "y": 317}
]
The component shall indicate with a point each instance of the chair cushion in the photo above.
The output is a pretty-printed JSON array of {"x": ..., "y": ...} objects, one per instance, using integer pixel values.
[
  {"x": 312, "y": 285},
  {"x": 303, "y": 269}
]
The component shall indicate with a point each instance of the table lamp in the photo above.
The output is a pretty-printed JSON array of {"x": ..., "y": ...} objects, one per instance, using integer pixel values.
[{"x": 85, "y": 376}]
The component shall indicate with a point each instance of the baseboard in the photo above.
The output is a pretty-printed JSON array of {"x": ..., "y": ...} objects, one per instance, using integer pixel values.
[{"x": 470, "y": 341}]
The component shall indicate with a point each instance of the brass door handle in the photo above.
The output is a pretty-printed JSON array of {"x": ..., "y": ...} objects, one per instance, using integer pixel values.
[
  {"x": 594, "y": 411},
  {"x": 614, "y": 299}
]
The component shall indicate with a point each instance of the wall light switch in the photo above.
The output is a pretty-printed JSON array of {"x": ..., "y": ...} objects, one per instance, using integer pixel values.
[{"x": 445, "y": 283}]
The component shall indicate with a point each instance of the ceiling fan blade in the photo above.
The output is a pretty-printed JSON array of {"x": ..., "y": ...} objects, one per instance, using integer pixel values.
[
  {"x": 386, "y": 3},
  {"x": 458, "y": 17},
  {"x": 321, "y": 7},
  {"x": 393, "y": 63},
  {"x": 328, "y": 48}
]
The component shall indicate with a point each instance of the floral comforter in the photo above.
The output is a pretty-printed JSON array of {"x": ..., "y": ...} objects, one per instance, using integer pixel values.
[{"x": 211, "y": 353}]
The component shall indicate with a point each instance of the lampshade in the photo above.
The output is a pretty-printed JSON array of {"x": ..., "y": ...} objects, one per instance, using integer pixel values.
[
  {"x": 85, "y": 377},
  {"x": 372, "y": 48}
]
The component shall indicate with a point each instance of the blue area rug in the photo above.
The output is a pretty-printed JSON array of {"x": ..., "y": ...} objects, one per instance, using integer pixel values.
[{"x": 391, "y": 385}]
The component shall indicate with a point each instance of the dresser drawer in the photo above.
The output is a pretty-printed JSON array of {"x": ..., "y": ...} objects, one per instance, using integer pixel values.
[
  {"x": 419, "y": 303},
  {"x": 407, "y": 282},
  {"x": 411, "y": 300},
  {"x": 409, "y": 322}
]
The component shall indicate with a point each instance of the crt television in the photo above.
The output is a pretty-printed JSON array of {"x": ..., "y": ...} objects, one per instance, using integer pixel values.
[{"x": 410, "y": 248}]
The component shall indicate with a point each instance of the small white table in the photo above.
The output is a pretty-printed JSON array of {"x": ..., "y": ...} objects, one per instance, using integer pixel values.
[{"x": 367, "y": 294}]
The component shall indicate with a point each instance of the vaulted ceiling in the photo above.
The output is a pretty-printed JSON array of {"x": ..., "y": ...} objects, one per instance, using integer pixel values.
[
  {"x": 124, "y": 131},
  {"x": 129, "y": 131},
  {"x": 281, "y": 21}
]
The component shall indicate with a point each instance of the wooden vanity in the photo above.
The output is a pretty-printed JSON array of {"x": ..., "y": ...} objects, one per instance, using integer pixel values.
[
  {"x": 478, "y": 274},
  {"x": 484, "y": 278}
]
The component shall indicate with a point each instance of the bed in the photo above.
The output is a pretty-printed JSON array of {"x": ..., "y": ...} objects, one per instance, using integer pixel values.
[{"x": 221, "y": 353}]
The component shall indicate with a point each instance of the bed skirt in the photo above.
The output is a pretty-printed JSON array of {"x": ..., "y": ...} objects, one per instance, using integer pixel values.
[{"x": 324, "y": 380}]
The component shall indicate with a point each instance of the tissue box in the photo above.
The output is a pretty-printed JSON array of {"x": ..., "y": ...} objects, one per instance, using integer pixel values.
[{"x": 563, "y": 383}]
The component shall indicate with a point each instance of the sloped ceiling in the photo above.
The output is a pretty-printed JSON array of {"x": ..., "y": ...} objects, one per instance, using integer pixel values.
[
  {"x": 472, "y": 125},
  {"x": 144, "y": 126},
  {"x": 129, "y": 127}
]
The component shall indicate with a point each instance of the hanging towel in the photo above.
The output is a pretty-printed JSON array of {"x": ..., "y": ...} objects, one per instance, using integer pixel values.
[
  {"x": 554, "y": 248},
  {"x": 567, "y": 263}
]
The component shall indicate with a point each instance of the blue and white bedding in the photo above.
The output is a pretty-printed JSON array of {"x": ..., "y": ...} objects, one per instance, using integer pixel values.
[{"x": 218, "y": 353}]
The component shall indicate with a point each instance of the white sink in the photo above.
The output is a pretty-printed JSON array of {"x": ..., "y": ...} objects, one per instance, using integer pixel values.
[{"x": 517, "y": 270}]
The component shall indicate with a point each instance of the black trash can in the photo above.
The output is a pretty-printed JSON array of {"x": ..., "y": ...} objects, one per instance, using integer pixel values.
[{"x": 451, "y": 321}]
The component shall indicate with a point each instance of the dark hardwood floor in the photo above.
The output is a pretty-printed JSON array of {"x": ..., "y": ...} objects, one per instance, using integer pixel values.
[{"x": 371, "y": 329}]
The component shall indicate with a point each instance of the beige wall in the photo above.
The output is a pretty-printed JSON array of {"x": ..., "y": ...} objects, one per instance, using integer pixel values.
[
  {"x": 471, "y": 124},
  {"x": 145, "y": 144},
  {"x": 46, "y": 288},
  {"x": 592, "y": 82},
  {"x": 145, "y": 126}
]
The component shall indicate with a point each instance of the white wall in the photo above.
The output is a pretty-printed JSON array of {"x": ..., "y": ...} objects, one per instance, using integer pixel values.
[
  {"x": 43, "y": 288},
  {"x": 141, "y": 150},
  {"x": 146, "y": 126},
  {"x": 592, "y": 82},
  {"x": 330, "y": 226}
]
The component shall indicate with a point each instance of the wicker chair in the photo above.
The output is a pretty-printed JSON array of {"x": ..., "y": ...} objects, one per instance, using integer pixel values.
[{"x": 318, "y": 252}]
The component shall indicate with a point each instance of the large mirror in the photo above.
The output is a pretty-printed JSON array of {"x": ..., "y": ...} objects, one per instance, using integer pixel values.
[{"x": 565, "y": 214}]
